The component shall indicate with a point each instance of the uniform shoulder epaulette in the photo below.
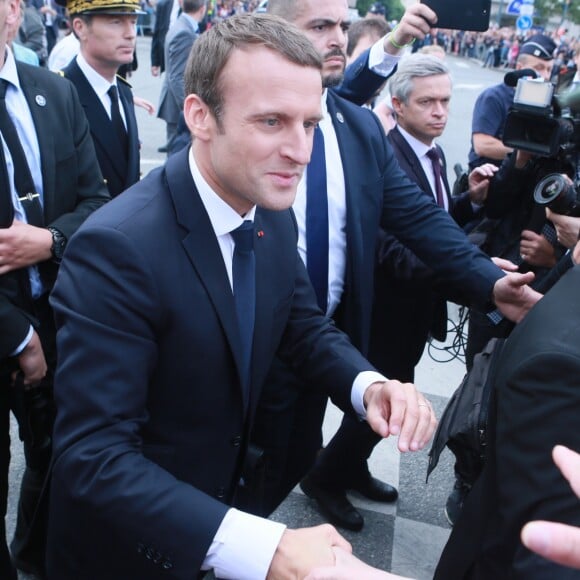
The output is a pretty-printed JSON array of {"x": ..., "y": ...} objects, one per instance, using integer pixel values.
[{"x": 123, "y": 80}]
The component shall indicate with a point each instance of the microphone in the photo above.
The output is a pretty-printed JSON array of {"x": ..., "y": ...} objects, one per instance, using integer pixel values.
[{"x": 511, "y": 79}]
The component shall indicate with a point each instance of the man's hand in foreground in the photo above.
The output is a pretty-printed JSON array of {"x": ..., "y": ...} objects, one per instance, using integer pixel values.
[
  {"x": 301, "y": 550},
  {"x": 349, "y": 567},
  {"x": 395, "y": 408},
  {"x": 514, "y": 297}
]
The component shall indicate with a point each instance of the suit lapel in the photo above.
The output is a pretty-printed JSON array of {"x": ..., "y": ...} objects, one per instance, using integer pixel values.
[
  {"x": 202, "y": 248},
  {"x": 444, "y": 174},
  {"x": 412, "y": 160},
  {"x": 99, "y": 121},
  {"x": 39, "y": 103}
]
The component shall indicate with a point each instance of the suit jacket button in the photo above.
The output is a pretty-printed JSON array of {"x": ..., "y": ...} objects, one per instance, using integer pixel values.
[
  {"x": 221, "y": 492},
  {"x": 167, "y": 565},
  {"x": 236, "y": 441},
  {"x": 140, "y": 548},
  {"x": 149, "y": 553}
]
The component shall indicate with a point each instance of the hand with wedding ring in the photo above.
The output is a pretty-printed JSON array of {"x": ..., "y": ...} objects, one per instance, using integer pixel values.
[{"x": 395, "y": 408}]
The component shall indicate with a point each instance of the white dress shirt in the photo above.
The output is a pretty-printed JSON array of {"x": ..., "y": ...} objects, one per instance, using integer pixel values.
[
  {"x": 100, "y": 85},
  {"x": 244, "y": 545},
  {"x": 421, "y": 150}
]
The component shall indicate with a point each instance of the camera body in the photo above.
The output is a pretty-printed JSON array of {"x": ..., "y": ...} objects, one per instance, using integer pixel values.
[{"x": 540, "y": 123}]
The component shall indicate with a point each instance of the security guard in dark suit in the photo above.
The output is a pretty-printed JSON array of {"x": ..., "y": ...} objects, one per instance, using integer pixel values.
[{"x": 107, "y": 31}]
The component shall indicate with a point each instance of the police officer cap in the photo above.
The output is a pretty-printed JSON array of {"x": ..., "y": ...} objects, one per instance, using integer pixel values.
[
  {"x": 540, "y": 46},
  {"x": 102, "y": 6}
]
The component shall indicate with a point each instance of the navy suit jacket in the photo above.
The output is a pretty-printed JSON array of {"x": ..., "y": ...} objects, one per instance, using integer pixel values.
[
  {"x": 405, "y": 297},
  {"x": 120, "y": 171},
  {"x": 72, "y": 185},
  {"x": 379, "y": 193},
  {"x": 152, "y": 429}
]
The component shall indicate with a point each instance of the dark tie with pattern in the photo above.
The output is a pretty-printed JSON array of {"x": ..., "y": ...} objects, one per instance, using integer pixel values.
[
  {"x": 244, "y": 283},
  {"x": 23, "y": 182},
  {"x": 117, "y": 120},
  {"x": 433, "y": 154},
  {"x": 317, "y": 221}
]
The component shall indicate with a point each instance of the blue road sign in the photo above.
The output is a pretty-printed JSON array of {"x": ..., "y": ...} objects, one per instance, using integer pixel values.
[
  {"x": 514, "y": 7},
  {"x": 524, "y": 22}
]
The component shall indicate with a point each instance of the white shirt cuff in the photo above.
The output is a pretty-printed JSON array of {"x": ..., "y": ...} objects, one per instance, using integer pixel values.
[
  {"x": 243, "y": 546},
  {"x": 381, "y": 62},
  {"x": 362, "y": 382},
  {"x": 24, "y": 343}
]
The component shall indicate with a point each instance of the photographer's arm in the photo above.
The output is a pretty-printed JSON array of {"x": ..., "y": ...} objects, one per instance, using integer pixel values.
[{"x": 490, "y": 147}]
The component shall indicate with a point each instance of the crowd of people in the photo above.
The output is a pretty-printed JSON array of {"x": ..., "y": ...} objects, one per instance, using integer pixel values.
[{"x": 169, "y": 344}]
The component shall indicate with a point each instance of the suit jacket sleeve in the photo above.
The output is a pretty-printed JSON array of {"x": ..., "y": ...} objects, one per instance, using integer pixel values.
[
  {"x": 159, "y": 31},
  {"x": 15, "y": 319},
  {"x": 360, "y": 83},
  {"x": 178, "y": 53},
  {"x": 430, "y": 232}
]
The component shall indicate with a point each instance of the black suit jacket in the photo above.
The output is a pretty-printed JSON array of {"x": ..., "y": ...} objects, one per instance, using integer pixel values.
[
  {"x": 151, "y": 429},
  {"x": 72, "y": 184},
  {"x": 120, "y": 171},
  {"x": 406, "y": 298},
  {"x": 536, "y": 406}
]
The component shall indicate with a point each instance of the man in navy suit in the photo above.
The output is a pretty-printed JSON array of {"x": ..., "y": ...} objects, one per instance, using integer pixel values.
[
  {"x": 171, "y": 306},
  {"x": 107, "y": 31},
  {"x": 365, "y": 187}
]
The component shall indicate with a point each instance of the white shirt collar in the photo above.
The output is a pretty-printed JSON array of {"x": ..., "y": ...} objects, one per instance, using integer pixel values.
[
  {"x": 419, "y": 148},
  {"x": 99, "y": 83},
  {"x": 8, "y": 71},
  {"x": 224, "y": 219}
]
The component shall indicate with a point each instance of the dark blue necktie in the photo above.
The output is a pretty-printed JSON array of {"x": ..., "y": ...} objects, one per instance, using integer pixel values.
[
  {"x": 244, "y": 283},
  {"x": 317, "y": 221}
]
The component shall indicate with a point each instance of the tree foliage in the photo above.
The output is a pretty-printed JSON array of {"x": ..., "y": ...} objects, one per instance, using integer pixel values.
[
  {"x": 394, "y": 8},
  {"x": 545, "y": 9}
]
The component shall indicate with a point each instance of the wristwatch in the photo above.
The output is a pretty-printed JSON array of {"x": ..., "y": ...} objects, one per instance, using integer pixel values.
[{"x": 58, "y": 244}]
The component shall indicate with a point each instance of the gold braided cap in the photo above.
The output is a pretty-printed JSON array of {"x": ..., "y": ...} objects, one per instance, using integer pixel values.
[{"x": 104, "y": 7}]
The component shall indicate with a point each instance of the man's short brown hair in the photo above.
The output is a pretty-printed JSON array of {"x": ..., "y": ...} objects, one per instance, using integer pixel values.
[{"x": 211, "y": 52}]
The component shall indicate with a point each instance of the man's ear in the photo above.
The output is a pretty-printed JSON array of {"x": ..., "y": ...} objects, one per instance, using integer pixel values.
[
  {"x": 13, "y": 13},
  {"x": 397, "y": 105},
  {"x": 79, "y": 27},
  {"x": 198, "y": 117}
]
